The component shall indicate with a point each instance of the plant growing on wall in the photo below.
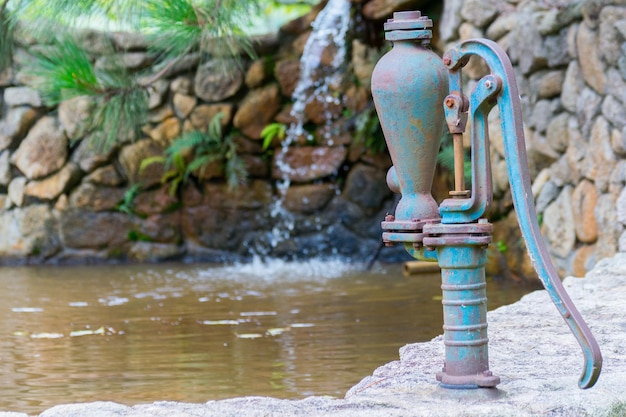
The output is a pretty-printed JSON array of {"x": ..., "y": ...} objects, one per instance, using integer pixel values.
[
  {"x": 128, "y": 200},
  {"x": 368, "y": 130},
  {"x": 193, "y": 152},
  {"x": 271, "y": 131}
]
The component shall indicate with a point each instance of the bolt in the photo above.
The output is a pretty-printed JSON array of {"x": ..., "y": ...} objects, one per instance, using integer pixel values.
[
  {"x": 488, "y": 84},
  {"x": 390, "y": 218},
  {"x": 450, "y": 102},
  {"x": 447, "y": 60}
]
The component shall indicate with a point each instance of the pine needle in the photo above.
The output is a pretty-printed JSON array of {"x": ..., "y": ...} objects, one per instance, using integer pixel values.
[
  {"x": 212, "y": 27},
  {"x": 172, "y": 27},
  {"x": 61, "y": 71},
  {"x": 64, "y": 70},
  {"x": 45, "y": 18},
  {"x": 7, "y": 30},
  {"x": 119, "y": 116}
]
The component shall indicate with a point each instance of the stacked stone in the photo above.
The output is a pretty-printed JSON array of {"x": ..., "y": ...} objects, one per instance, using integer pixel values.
[
  {"x": 570, "y": 64},
  {"x": 59, "y": 196}
]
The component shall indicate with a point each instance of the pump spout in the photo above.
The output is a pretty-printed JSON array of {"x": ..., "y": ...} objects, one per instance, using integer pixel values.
[{"x": 517, "y": 165}]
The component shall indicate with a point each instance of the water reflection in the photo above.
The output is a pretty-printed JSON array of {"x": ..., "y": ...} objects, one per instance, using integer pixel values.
[{"x": 194, "y": 333}]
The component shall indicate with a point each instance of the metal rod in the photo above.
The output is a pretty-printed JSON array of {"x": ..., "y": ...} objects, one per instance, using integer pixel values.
[
  {"x": 459, "y": 163},
  {"x": 419, "y": 267}
]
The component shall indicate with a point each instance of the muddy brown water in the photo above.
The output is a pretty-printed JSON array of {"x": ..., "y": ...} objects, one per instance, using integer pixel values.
[{"x": 194, "y": 333}]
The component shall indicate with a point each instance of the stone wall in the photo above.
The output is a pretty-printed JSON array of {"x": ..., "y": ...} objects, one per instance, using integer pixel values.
[
  {"x": 570, "y": 64},
  {"x": 60, "y": 198}
]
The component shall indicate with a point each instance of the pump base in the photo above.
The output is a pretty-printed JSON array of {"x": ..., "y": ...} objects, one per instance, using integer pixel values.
[{"x": 482, "y": 380}]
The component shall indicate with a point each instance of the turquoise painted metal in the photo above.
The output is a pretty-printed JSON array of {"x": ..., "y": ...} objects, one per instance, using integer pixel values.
[
  {"x": 416, "y": 94},
  {"x": 414, "y": 81}
]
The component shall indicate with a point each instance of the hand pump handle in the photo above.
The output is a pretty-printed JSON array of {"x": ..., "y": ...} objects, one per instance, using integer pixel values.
[{"x": 508, "y": 101}]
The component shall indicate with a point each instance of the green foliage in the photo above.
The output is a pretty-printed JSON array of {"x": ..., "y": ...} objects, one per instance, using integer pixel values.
[
  {"x": 194, "y": 151},
  {"x": 63, "y": 70},
  {"x": 121, "y": 114},
  {"x": 44, "y": 19},
  {"x": 173, "y": 28},
  {"x": 288, "y": 7},
  {"x": 501, "y": 246},
  {"x": 445, "y": 158},
  {"x": 7, "y": 30},
  {"x": 178, "y": 27},
  {"x": 235, "y": 168},
  {"x": 271, "y": 131},
  {"x": 368, "y": 130},
  {"x": 128, "y": 201},
  {"x": 137, "y": 236}
]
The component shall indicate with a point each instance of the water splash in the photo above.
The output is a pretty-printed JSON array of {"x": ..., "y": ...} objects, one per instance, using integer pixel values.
[
  {"x": 318, "y": 81},
  {"x": 278, "y": 270}
]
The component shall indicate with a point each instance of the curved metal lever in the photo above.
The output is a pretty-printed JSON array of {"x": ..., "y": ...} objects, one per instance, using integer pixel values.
[{"x": 515, "y": 155}]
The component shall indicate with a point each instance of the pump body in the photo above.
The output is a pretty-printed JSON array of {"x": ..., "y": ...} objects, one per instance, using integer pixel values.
[
  {"x": 408, "y": 71},
  {"x": 416, "y": 94}
]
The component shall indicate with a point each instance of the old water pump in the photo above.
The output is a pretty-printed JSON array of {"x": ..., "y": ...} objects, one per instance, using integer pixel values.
[{"x": 416, "y": 94}]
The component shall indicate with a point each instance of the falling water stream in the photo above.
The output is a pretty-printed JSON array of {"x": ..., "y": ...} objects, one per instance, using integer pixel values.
[
  {"x": 145, "y": 333},
  {"x": 317, "y": 81}
]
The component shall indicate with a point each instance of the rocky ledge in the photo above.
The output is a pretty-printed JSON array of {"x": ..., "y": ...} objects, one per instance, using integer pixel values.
[{"x": 531, "y": 349}]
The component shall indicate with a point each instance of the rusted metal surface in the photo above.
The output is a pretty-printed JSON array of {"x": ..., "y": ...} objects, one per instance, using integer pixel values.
[
  {"x": 414, "y": 99},
  {"x": 517, "y": 165},
  {"x": 462, "y": 257},
  {"x": 412, "y": 80},
  {"x": 465, "y": 316}
]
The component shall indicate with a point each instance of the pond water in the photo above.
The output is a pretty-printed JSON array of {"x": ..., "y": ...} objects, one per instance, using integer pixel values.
[{"x": 194, "y": 333}]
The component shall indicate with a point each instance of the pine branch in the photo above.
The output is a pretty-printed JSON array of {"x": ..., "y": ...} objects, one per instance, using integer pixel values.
[
  {"x": 4, "y": 6},
  {"x": 62, "y": 71},
  {"x": 182, "y": 26},
  {"x": 45, "y": 17},
  {"x": 119, "y": 116},
  {"x": 174, "y": 27},
  {"x": 161, "y": 73},
  {"x": 7, "y": 26}
]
